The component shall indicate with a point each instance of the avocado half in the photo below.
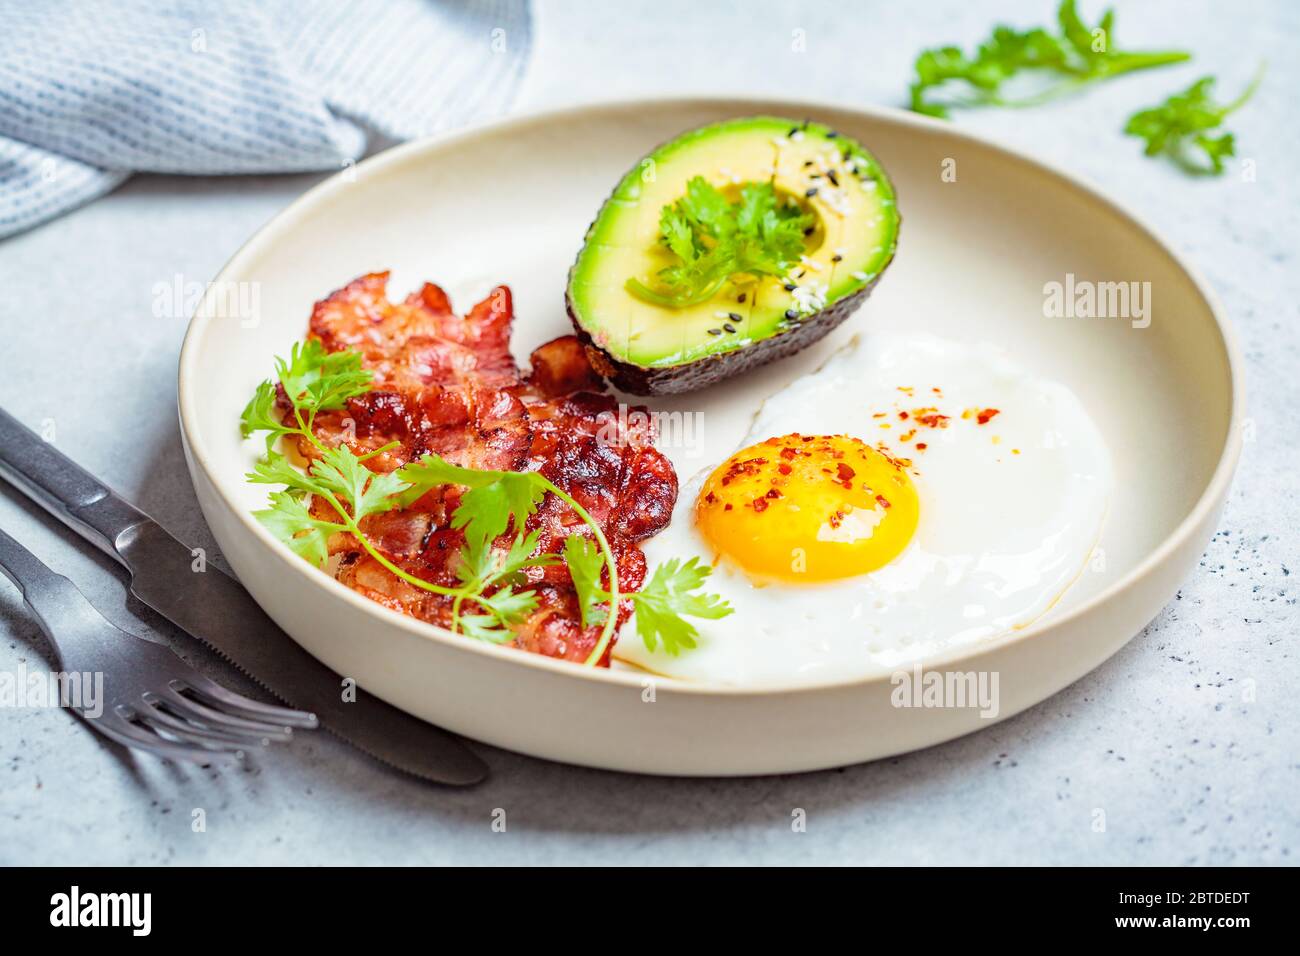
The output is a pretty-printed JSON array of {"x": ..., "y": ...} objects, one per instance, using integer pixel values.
[{"x": 649, "y": 349}]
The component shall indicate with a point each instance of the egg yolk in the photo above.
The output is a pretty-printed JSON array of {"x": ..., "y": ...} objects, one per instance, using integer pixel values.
[{"x": 802, "y": 508}]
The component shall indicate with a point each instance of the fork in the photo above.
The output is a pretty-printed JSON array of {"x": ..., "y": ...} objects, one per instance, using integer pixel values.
[{"x": 153, "y": 700}]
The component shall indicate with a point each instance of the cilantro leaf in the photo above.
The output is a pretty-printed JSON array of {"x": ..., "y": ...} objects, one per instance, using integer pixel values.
[
  {"x": 674, "y": 592},
  {"x": 677, "y": 234},
  {"x": 476, "y": 563},
  {"x": 289, "y": 520},
  {"x": 366, "y": 492},
  {"x": 714, "y": 239},
  {"x": 1075, "y": 32},
  {"x": 510, "y": 607},
  {"x": 434, "y": 471},
  {"x": 520, "y": 556},
  {"x": 482, "y": 627},
  {"x": 481, "y": 566},
  {"x": 276, "y": 469},
  {"x": 769, "y": 237},
  {"x": 1182, "y": 124},
  {"x": 316, "y": 380},
  {"x": 260, "y": 415},
  {"x": 706, "y": 209},
  {"x": 488, "y": 510},
  {"x": 585, "y": 564},
  {"x": 1078, "y": 55},
  {"x": 339, "y": 473},
  {"x": 494, "y": 500}
]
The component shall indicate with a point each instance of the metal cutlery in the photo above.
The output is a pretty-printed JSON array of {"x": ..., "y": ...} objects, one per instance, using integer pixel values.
[
  {"x": 152, "y": 700},
  {"x": 212, "y": 607}
]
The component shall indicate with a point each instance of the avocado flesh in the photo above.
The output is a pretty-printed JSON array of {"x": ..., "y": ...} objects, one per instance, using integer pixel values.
[{"x": 649, "y": 349}]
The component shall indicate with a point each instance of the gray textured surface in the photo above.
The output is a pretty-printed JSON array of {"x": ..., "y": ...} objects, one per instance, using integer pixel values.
[{"x": 1165, "y": 737}]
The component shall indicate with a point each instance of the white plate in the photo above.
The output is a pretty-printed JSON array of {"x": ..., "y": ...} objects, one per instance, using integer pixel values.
[{"x": 510, "y": 202}]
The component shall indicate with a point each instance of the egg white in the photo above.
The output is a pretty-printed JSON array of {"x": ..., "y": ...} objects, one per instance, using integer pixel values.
[{"x": 1010, "y": 512}]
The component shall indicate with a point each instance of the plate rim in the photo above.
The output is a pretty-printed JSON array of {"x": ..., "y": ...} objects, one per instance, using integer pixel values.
[{"x": 1213, "y": 495}]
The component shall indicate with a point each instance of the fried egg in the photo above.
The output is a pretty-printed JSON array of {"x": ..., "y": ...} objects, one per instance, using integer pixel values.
[{"x": 913, "y": 495}]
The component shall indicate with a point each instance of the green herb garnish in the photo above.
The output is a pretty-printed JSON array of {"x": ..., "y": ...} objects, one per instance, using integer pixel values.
[
  {"x": 674, "y": 590},
  {"x": 1181, "y": 127},
  {"x": 714, "y": 239},
  {"x": 1079, "y": 55},
  {"x": 488, "y": 601}
]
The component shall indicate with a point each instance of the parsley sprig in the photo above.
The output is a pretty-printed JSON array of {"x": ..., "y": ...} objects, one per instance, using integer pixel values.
[
  {"x": 488, "y": 601},
  {"x": 1181, "y": 127},
  {"x": 1078, "y": 56},
  {"x": 714, "y": 239},
  {"x": 674, "y": 590}
]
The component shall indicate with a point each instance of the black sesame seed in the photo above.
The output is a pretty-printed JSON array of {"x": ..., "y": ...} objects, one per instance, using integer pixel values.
[
  {"x": 741, "y": 297},
  {"x": 836, "y": 258},
  {"x": 790, "y": 287},
  {"x": 715, "y": 331},
  {"x": 735, "y": 317},
  {"x": 830, "y": 174},
  {"x": 793, "y": 130},
  {"x": 791, "y": 314},
  {"x": 831, "y": 134},
  {"x": 814, "y": 175},
  {"x": 810, "y": 230},
  {"x": 729, "y": 327},
  {"x": 807, "y": 162},
  {"x": 801, "y": 273},
  {"x": 811, "y": 192}
]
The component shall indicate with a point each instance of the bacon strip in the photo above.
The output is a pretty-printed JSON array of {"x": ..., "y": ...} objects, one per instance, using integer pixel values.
[{"x": 450, "y": 385}]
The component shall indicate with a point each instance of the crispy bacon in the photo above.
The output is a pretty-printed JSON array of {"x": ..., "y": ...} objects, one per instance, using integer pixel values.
[{"x": 450, "y": 385}]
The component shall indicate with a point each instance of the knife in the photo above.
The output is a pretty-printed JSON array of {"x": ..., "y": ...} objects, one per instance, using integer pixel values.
[{"x": 216, "y": 610}]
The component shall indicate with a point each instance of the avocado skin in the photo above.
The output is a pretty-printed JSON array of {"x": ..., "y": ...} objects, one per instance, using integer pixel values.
[{"x": 706, "y": 371}]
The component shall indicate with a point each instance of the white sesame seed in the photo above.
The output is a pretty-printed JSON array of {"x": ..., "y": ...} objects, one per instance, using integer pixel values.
[
  {"x": 836, "y": 200},
  {"x": 810, "y": 298}
]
